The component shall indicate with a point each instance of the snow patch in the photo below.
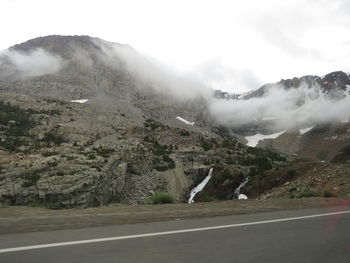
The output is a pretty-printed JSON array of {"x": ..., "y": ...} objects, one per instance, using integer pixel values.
[
  {"x": 254, "y": 139},
  {"x": 303, "y": 131},
  {"x": 242, "y": 197},
  {"x": 200, "y": 187},
  {"x": 80, "y": 101},
  {"x": 185, "y": 121}
]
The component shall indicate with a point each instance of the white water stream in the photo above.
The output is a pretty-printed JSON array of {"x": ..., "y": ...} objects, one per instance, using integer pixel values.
[
  {"x": 238, "y": 189},
  {"x": 200, "y": 187}
]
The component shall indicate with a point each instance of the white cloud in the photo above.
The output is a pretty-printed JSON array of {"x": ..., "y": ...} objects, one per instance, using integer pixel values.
[
  {"x": 269, "y": 39},
  {"x": 285, "y": 108},
  {"x": 29, "y": 64}
]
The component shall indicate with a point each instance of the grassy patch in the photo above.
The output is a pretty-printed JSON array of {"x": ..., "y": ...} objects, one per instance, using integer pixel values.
[
  {"x": 307, "y": 193},
  {"x": 160, "y": 198}
]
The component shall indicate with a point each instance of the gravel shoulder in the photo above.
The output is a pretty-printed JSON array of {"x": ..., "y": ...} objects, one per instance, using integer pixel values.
[{"x": 19, "y": 219}]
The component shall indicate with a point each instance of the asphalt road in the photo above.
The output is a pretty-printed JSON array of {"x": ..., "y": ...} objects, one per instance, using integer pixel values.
[{"x": 286, "y": 236}]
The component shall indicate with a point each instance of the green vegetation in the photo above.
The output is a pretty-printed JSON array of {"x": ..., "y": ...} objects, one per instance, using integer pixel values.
[
  {"x": 31, "y": 179},
  {"x": 225, "y": 175},
  {"x": 48, "y": 154},
  {"x": 35, "y": 204},
  {"x": 161, "y": 149},
  {"x": 104, "y": 152},
  {"x": 92, "y": 156},
  {"x": 327, "y": 193},
  {"x": 15, "y": 124},
  {"x": 164, "y": 150},
  {"x": 206, "y": 145},
  {"x": 307, "y": 193},
  {"x": 291, "y": 173},
  {"x": 160, "y": 198},
  {"x": 229, "y": 144},
  {"x": 346, "y": 150},
  {"x": 53, "y": 136},
  {"x": 152, "y": 124},
  {"x": 183, "y": 132},
  {"x": 171, "y": 164},
  {"x": 322, "y": 155},
  {"x": 205, "y": 197}
]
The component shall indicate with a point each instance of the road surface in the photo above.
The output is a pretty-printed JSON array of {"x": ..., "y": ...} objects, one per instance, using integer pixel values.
[{"x": 313, "y": 235}]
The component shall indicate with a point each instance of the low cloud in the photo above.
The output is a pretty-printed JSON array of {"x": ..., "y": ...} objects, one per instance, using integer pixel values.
[
  {"x": 284, "y": 108},
  {"x": 153, "y": 74},
  {"x": 22, "y": 65}
]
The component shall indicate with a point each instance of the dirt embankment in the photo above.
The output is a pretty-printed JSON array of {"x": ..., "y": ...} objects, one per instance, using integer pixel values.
[{"x": 18, "y": 219}]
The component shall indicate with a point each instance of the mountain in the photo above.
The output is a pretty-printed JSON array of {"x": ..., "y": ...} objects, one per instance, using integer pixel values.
[
  {"x": 335, "y": 84},
  {"x": 85, "y": 122},
  {"x": 308, "y": 116}
]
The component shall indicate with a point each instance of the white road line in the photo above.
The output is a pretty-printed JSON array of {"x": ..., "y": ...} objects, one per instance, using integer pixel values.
[{"x": 79, "y": 242}]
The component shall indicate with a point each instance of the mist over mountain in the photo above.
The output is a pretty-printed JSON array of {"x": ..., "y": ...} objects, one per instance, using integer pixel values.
[
  {"x": 292, "y": 103},
  {"x": 82, "y": 66},
  {"x": 92, "y": 61},
  {"x": 101, "y": 122}
]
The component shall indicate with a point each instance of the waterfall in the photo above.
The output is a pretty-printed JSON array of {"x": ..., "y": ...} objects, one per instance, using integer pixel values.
[
  {"x": 238, "y": 189},
  {"x": 200, "y": 187}
]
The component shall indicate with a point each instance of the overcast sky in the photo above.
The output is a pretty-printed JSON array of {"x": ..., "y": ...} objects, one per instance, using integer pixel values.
[{"x": 232, "y": 45}]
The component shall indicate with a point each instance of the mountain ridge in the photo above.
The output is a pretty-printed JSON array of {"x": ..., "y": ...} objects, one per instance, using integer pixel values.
[{"x": 139, "y": 131}]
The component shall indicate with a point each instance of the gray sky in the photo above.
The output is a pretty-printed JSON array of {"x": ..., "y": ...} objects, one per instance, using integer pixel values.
[{"x": 231, "y": 45}]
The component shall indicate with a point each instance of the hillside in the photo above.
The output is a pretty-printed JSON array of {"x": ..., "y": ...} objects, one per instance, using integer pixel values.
[{"x": 86, "y": 122}]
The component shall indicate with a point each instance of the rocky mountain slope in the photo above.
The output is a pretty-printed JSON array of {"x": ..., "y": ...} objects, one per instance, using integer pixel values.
[
  {"x": 85, "y": 122},
  {"x": 311, "y": 121},
  {"x": 94, "y": 129}
]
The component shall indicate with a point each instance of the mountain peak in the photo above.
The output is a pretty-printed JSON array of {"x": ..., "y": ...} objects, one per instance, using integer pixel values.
[{"x": 64, "y": 45}]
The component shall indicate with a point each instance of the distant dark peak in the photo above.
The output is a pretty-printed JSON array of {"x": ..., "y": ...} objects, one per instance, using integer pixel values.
[
  {"x": 309, "y": 80},
  {"x": 331, "y": 83},
  {"x": 52, "y": 39},
  {"x": 225, "y": 95},
  {"x": 64, "y": 46},
  {"x": 337, "y": 79}
]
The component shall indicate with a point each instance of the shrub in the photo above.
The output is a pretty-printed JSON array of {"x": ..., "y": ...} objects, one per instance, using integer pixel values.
[
  {"x": 160, "y": 198},
  {"x": 206, "y": 145},
  {"x": 327, "y": 193},
  {"x": 152, "y": 124},
  {"x": 292, "y": 189},
  {"x": 171, "y": 164},
  {"x": 34, "y": 204},
  {"x": 161, "y": 168},
  {"x": 31, "y": 180},
  {"x": 105, "y": 152},
  {"x": 291, "y": 173},
  {"x": 92, "y": 156},
  {"x": 346, "y": 150},
  {"x": 307, "y": 193},
  {"x": 183, "y": 132},
  {"x": 53, "y": 136},
  {"x": 205, "y": 197},
  {"x": 48, "y": 154},
  {"x": 161, "y": 149}
]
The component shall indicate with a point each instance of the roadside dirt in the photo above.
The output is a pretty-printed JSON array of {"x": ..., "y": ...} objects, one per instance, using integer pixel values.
[{"x": 19, "y": 219}]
